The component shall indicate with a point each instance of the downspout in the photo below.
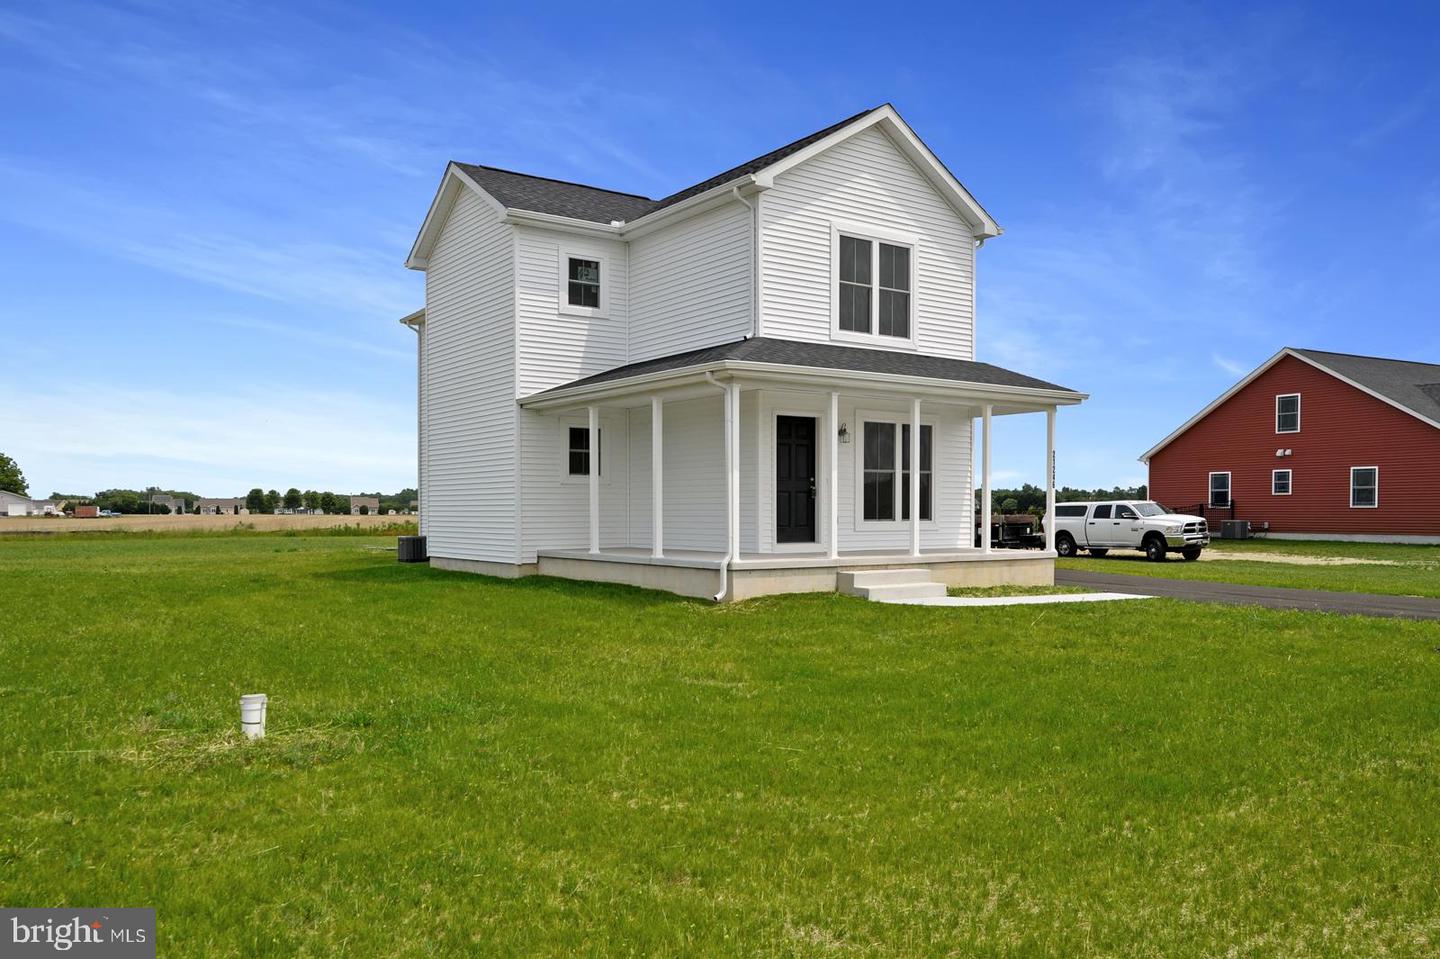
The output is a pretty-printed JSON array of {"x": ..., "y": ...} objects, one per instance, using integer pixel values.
[
  {"x": 754, "y": 209},
  {"x": 724, "y": 563},
  {"x": 416, "y": 322}
]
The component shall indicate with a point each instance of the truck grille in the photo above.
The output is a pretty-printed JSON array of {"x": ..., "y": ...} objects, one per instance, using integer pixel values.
[{"x": 1199, "y": 527}]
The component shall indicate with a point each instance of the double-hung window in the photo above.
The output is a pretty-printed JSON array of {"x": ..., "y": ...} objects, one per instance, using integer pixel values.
[
  {"x": 1364, "y": 487},
  {"x": 1280, "y": 482},
  {"x": 1287, "y": 413},
  {"x": 584, "y": 277},
  {"x": 874, "y": 287},
  {"x": 1220, "y": 489},
  {"x": 579, "y": 449},
  {"x": 885, "y": 478}
]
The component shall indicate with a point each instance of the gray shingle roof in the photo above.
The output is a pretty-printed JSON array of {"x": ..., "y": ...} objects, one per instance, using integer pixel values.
[
  {"x": 1415, "y": 386},
  {"x": 539, "y": 194},
  {"x": 824, "y": 356}
]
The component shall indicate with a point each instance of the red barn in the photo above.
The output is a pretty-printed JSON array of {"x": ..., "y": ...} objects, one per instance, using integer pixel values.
[{"x": 1314, "y": 445}]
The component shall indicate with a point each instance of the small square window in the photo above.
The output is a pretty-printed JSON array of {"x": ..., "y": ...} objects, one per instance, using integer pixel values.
[
  {"x": 1280, "y": 482},
  {"x": 583, "y": 283},
  {"x": 579, "y": 453}
]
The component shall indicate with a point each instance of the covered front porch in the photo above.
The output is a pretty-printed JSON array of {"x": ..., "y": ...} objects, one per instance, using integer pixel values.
[{"x": 734, "y": 480}]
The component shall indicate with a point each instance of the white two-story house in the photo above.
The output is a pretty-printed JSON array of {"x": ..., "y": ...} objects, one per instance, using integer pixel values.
[{"x": 750, "y": 386}]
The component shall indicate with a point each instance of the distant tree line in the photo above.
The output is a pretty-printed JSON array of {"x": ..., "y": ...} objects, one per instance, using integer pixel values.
[
  {"x": 1031, "y": 498},
  {"x": 268, "y": 501},
  {"x": 129, "y": 500}
]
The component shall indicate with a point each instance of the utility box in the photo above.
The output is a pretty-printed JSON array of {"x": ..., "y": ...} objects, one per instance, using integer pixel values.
[
  {"x": 411, "y": 549},
  {"x": 1235, "y": 529}
]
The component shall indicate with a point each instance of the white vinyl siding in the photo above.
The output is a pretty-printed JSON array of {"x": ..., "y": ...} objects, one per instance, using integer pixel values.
[
  {"x": 690, "y": 284},
  {"x": 556, "y": 504},
  {"x": 469, "y": 486},
  {"x": 556, "y": 347},
  {"x": 865, "y": 184}
]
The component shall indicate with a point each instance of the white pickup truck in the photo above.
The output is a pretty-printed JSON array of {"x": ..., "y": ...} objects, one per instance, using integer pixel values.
[{"x": 1128, "y": 524}]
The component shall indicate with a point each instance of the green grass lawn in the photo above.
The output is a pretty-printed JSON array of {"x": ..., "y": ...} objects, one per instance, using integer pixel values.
[
  {"x": 1418, "y": 576},
  {"x": 462, "y": 766}
]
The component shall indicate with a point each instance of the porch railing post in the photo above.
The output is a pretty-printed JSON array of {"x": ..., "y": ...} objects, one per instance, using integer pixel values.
[
  {"x": 985, "y": 481},
  {"x": 915, "y": 476},
  {"x": 832, "y": 506},
  {"x": 594, "y": 412},
  {"x": 657, "y": 477},
  {"x": 1050, "y": 479}
]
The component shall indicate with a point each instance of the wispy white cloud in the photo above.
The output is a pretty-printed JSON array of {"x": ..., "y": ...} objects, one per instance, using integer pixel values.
[
  {"x": 1227, "y": 366},
  {"x": 218, "y": 443}
]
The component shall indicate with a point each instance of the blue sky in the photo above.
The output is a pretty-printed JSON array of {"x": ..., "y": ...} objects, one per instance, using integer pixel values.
[{"x": 204, "y": 208}]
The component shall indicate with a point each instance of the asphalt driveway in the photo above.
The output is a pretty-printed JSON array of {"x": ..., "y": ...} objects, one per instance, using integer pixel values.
[{"x": 1313, "y": 600}]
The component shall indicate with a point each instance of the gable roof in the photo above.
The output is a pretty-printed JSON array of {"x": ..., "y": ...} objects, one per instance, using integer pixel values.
[
  {"x": 767, "y": 350},
  {"x": 526, "y": 192},
  {"x": 1408, "y": 386}
]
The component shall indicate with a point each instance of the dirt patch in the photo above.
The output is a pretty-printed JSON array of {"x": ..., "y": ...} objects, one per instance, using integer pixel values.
[{"x": 1297, "y": 559}]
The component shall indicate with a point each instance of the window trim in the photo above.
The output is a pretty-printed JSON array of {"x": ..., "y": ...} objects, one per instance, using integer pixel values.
[
  {"x": 875, "y": 236},
  {"x": 1286, "y": 396},
  {"x": 1229, "y": 490},
  {"x": 898, "y": 419},
  {"x": 1289, "y": 482},
  {"x": 562, "y": 268},
  {"x": 1374, "y": 505},
  {"x": 582, "y": 422}
]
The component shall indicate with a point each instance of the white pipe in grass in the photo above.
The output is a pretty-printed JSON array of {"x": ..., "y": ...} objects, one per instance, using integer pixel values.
[{"x": 252, "y": 715}]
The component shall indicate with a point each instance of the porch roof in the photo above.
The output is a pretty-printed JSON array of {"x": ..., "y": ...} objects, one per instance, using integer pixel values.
[{"x": 762, "y": 353}]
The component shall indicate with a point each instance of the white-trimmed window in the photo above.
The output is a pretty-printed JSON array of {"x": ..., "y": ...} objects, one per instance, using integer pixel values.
[
  {"x": 578, "y": 453},
  {"x": 1280, "y": 482},
  {"x": 1220, "y": 489},
  {"x": 584, "y": 283},
  {"x": 885, "y": 471},
  {"x": 1364, "y": 487},
  {"x": 874, "y": 286},
  {"x": 1287, "y": 413}
]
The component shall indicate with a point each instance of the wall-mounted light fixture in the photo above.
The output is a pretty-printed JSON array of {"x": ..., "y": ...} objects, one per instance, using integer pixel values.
[{"x": 844, "y": 433}]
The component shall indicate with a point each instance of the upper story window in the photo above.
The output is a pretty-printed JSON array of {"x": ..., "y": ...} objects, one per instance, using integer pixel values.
[
  {"x": 874, "y": 287},
  {"x": 1287, "y": 413},
  {"x": 584, "y": 280}
]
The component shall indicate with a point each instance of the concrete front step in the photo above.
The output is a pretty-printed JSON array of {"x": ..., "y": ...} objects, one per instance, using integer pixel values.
[
  {"x": 851, "y": 583},
  {"x": 902, "y": 592}
]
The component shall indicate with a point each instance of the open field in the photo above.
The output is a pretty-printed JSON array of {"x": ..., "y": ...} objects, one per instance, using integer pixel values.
[
  {"x": 188, "y": 523},
  {"x": 464, "y": 766},
  {"x": 1394, "y": 570}
]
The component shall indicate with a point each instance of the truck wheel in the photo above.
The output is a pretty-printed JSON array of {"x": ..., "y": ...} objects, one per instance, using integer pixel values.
[
  {"x": 1098, "y": 552},
  {"x": 1064, "y": 545},
  {"x": 1191, "y": 554},
  {"x": 1155, "y": 549}
]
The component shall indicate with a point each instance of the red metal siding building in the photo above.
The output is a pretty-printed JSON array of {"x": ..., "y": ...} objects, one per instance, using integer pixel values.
[{"x": 1380, "y": 418}]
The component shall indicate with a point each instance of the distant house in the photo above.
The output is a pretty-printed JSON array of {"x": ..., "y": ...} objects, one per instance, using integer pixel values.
[
  {"x": 214, "y": 507},
  {"x": 1314, "y": 445},
  {"x": 174, "y": 503},
  {"x": 14, "y": 504},
  {"x": 371, "y": 504}
]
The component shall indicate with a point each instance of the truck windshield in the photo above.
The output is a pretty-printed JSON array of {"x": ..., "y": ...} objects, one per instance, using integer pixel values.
[{"x": 1149, "y": 509}]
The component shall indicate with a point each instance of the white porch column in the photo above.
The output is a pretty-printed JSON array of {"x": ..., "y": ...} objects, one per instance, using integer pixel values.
[
  {"x": 915, "y": 476},
  {"x": 732, "y": 471},
  {"x": 657, "y": 476},
  {"x": 985, "y": 483},
  {"x": 594, "y": 412},
  {"x": 832, "y": 506},
  {"x": 1050, "y": 479}
]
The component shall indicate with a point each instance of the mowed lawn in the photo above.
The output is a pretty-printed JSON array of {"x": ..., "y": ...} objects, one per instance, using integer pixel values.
[
  {"x": 462, "y": 766},
  {"x": 1402, "y": 570}
]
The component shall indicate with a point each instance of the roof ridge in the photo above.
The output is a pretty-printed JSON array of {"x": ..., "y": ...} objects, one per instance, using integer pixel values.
[
  {"x": 551, "y": 179},
  {"x": 1363, "y": 356}
]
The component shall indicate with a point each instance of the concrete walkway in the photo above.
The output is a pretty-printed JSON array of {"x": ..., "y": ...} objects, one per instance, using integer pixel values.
[
  {"x": 1013, "y": 600},
  {"x": 1309, "y": 600}
]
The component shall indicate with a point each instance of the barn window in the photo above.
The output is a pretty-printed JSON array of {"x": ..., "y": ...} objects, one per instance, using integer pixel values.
[
  {"x": 1364, "y": 487},
  {"x": 1280, "y": 482},
  {"x": 1287, "y": 413},
  {"x": 1220, "y": 489}
]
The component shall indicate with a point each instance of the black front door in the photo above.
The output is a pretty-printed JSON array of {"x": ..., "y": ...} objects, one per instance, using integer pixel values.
[{"x": 795, "y": 479}]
